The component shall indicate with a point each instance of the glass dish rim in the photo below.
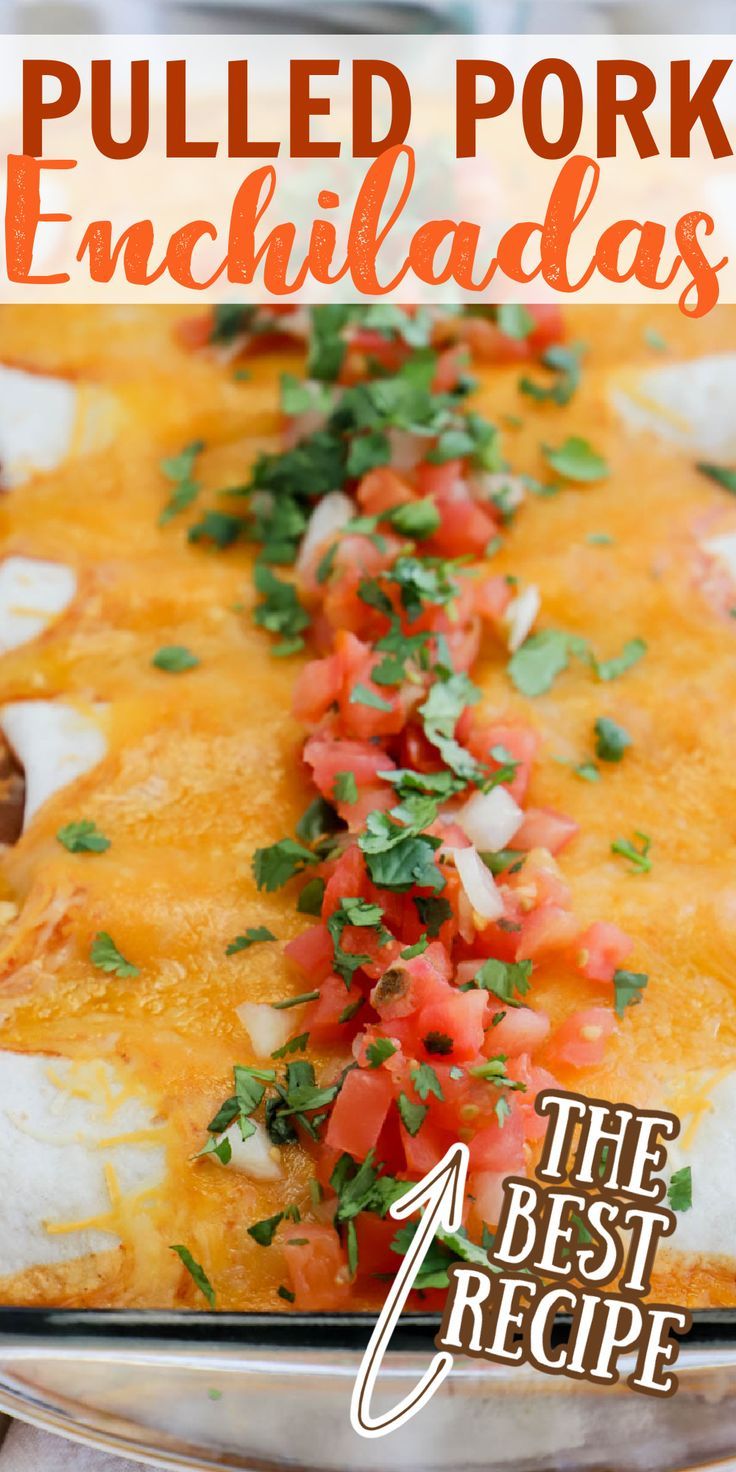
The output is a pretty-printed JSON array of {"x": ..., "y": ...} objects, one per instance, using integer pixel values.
[{"x": 24, "y": 1327}]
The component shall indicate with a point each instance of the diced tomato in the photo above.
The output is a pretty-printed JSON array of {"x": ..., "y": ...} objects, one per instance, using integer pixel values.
[
  {"x": 322, "y": 1017},
  {"x": 452, "y": 366},
  {"x": 347, "y": 879},
  {"x": 603, "y": 949},
  {"x": 545, "y": 931},
  {"x": 521, "y": 1030},
  {"x": 409, "y": 986},
  {"x": 316, "y": 1265},
  {"x": 485, "y": 1189},
  {"x": 325, "y": 1161},
  {"x": 492, "y": 597},
  {"x": 317, "y": 687},
  {"x": 438, "y": 480},
  {"x": 521, "y": 743},
  {"x": 534, "y": 1079},
  {"x": 312, "y": 952},
  {"x": 416, "y": 752},
  {"x": 463, "y": 643},
  {"x": 581, "y": 1039},
  {"x": 549, "y": 325},
  {"x": 537, "y": 1079},
  {"x": 195, "y": 332},
  {"x": 359, "y": 1111},
  {"x": 461, "y": 1017},
  {"x": 328, "y": 756},
  {"x": 375, "y": 1235},
  {"x": 539, "y": 882},
  {"x": 382, "y": 490},
  {"x": 424, "y": 1150},
  {"x": 370, "y": 800},
  {"x": 544, "y": 828},
  {"x": 465, "y": 528},
  {"x": 500, "y": 1146},
  {"x": 488, "y": 344}
]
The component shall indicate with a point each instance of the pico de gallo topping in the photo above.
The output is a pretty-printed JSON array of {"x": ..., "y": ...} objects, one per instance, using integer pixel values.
[{"x": 432, "y": 884}]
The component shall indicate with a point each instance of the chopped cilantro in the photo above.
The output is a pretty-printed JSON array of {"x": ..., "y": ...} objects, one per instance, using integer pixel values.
[
  {"x": 637, "y": 856},
  {"x": 433, "y": 911},
  {"x": 279, "y": 611},
  {"x": 447, "y": 699},
  {"x": 178, "y": 468},
  {"x": 174, "y": 659},
  {"x": 317, "y": 821},
  {"x": 418, "y": 949},
  {"x": 196, "y": 1272},
  {"x": 611, "y": 669},
  {"x": 412, "y": 1115},
  {"x": 397, "y": 858},
  {"x": 359, "y": 913},
  {"x": 680, "y": 1189},
  {"x": 611, "y": 740},
  {"x": 576, "y": 460},
  {"x": 345, "y": 788},
  {"x": 299, "y": 1096},
  {"x": 541, "y": 658},
  {"x": 426, "y": 1082},
  {"x": 418, "y": 519},
  {"x": 293, "y": 1045},
  {"x": 250, "y": 937},
  {"x": 263, "y": 1232},
  {"x": 564, "y": 365},
  {"x": 303, "y": 397},
  {"x": 493, "y": 1071},
  {"x": 723, "y": 475},
  {"x": 105, "y": 955},
  {"x": 295, "y": 1001},
  {"x": 275, "y": 865},
  {"x": 588, "y": 771},
  {"x": 379, "y": 1050},
  {"x": 654, "y": 340},
  {"x": 628, "y": 987},
  {"x": 503, "y": 978},
  {"x": 599, "y": 539},
  {"x": 311, "y": 897},
  {"x": 83, "y": 837},
  {"x": 349, "y": 1012},
  {"x": 230, "y": 320},
  {"x": 221, "y": 528},
  {"x": 514, "y": 320},
  {"x": 286, "y": 1294},
  {"x": 362, "y": 695}
]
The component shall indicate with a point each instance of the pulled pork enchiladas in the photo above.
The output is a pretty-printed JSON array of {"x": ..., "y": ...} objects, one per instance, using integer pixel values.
[{"x": 366, "y": 699}]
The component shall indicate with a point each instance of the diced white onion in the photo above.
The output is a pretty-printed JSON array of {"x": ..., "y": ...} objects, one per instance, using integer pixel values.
[
  {"x": 266, "y": 1027},
  {"x": 496, "y": 485},
  {"x": 297, "y": 323},
  {"x": 54, "y": 743},
  {"x": 328, "y": 518},
  {"x": 255, "y": 1157},
  {"x": 466, "y": 970},
  {"x": 37, "y": 422},
  {"x": 520, "y": 615},
  {"x": 32, "y": 594},
  {"x": 478, "y": 884},
  {"x": 490, "y": 819},
  {"x": 723, "y": 548}
]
